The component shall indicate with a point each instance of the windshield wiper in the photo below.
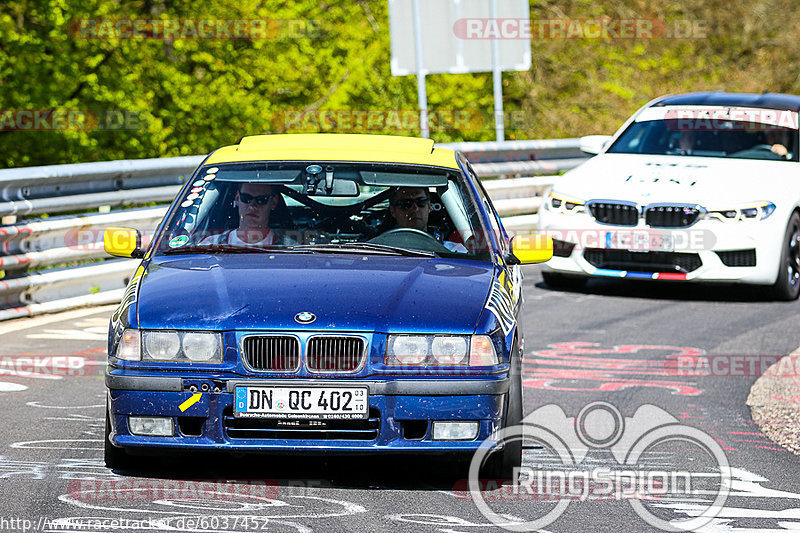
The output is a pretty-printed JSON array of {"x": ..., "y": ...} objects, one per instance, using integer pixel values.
[
  {"x": 359, "y": 247},
  {"x": 235, "y": 249}
]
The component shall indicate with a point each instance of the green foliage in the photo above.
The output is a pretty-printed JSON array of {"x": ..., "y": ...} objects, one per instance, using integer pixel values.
[{"x": 185, "y": 96}]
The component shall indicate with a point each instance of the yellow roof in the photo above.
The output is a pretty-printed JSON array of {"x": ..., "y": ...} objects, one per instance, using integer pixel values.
[{"x": 336, "y": 147}]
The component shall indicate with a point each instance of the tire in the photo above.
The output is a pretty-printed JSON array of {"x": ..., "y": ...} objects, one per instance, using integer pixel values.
[
  {"x": 115, "y": 458},
  {"x": 787, "y": 286},
  {"x": 564, "y": 281},
  {"x": 500, "y": 465}
]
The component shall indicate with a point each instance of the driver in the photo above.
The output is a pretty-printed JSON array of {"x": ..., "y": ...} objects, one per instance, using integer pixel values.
[
  {"x": 410, "y": 207},
  {"x": 255, "y": 202}
]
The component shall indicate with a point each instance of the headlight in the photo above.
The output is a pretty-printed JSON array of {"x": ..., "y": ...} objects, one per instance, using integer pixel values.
[
  {"x": 754, "y": 211},
  {"x": 161, "y": 345},
  {"x": 439, "y": 350},
  {"x": 562, "y": 203},
  {"x": 169, "y": 345},
  {"x": 201, "y": 347}
]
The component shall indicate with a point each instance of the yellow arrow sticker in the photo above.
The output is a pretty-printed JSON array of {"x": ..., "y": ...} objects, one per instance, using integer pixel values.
[{"x": 190, "y": 401}]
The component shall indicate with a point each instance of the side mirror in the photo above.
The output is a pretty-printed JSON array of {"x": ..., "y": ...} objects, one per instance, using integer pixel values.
[
  {"x": 594, "y": 144},
  {"x": 123, "y": 242},
  {"x": 529, "y": 249}
]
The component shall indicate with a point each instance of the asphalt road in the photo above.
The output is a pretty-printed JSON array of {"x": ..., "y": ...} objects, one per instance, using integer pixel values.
[{"x": 631, "y": 346}]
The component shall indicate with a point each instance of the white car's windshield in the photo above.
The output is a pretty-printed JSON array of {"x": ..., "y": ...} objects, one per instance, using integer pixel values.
[
  {"x": 324, "y": 207},
  {"x": 717, "y": 138}
]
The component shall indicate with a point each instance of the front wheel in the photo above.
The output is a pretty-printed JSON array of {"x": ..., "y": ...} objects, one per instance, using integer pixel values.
[{"x": 787, "y": 286}]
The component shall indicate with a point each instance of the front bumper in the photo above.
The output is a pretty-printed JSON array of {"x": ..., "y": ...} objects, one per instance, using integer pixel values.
[
  {"x": 699, "y": 253},
  {"x": 401, "y": 413}
]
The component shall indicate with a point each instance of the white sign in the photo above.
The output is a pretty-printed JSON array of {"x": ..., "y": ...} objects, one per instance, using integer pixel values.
[{"x": 457, "y": 36}]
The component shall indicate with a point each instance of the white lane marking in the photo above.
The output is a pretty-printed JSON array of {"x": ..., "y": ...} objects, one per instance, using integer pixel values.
[
  {"x": 6, "y": 386},
  {"x": 744, "y": 484},
  {"x": 37, "y": 404},
  {"x": 49, "y": 444},
  {"x": 27, "y": 323}
]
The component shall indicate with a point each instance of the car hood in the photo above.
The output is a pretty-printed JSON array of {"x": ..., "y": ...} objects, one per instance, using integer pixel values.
[
  {"x": 706, "y": 181},
  {"x": 345, "y": 292}
]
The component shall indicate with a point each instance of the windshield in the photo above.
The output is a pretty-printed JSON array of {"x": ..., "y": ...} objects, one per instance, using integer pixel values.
[
  {"x": 322, "y": 207},
  {"x": 709, "y": 138}
]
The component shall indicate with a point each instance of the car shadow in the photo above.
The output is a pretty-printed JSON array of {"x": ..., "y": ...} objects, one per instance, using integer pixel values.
[
  {"x": 665, "y": 290},
  {"x": 399, "y": 472}
]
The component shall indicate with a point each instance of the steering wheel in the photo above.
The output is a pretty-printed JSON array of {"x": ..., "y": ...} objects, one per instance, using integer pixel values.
[
  {"x": 410, "y": 238},
  {"x": 764, "y": 148}
]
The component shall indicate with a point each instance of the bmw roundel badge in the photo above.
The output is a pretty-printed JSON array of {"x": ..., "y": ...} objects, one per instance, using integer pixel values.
[{"x": 305, "y": 317}]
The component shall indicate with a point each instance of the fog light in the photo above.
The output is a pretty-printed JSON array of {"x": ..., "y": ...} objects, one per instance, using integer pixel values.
[
  {"x": 151, "y": 426},
  {"x": 455, "y": 430}
]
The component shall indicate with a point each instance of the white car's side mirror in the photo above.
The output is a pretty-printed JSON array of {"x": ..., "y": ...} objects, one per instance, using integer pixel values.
[{"x": 594, "y": 144}]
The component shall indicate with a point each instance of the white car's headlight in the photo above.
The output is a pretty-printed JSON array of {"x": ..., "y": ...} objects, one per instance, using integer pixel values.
[
  {"x": 562, "y": 203},
  {"x": 440, "y": 350},
  {"x": 753, "y": 211},
  {"x": 170, "y": 345}
]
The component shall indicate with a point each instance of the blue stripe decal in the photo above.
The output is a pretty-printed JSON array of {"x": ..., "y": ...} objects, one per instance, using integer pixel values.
[
  {"x": 623, "y": 274},
  {"x": 642, "y": 275}
]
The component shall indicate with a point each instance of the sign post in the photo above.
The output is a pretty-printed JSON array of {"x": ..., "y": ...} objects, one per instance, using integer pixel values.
[{"x": 456, "y": 37}]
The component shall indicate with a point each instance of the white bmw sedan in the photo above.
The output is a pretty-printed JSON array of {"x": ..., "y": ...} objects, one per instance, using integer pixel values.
[{"x": 693, "y": 187}]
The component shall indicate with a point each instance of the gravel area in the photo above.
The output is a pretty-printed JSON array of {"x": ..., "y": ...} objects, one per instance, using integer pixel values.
[{"x": 774, "y": 402}]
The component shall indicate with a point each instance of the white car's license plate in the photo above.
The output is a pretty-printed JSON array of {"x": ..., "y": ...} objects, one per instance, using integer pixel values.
[
  {"x": 320, "y": 403},
  {"x": 640, "y": 240}
]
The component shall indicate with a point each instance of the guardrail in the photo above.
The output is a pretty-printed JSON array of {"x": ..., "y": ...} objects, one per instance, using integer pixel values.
[{"x": 51, "y": 263}]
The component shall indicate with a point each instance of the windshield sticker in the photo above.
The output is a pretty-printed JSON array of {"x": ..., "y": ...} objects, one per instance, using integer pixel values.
[
  {"x": 212, "y": 170},
  {"x": 187, "y": 203},
  {"x": 178, "y": 241},
  {"x": 209, "y": 177},
  {"x": 502, "y": 307},
  {"x": 198, "y": 183},
  {"x": 193, "y": 196},
  {"x": 196, "y": 189}
]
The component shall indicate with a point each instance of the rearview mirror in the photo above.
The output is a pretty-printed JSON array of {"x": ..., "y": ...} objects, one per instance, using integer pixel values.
[
  {"x": 529, "y": 249},
  {"x": 123, "y": 242},
  {"x": 341, "y": 188}
]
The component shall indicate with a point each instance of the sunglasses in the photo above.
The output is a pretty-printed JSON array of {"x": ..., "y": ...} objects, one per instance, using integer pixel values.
[
  {"x": 259, "y": 200},
  {"x": 406, "y": 203}
]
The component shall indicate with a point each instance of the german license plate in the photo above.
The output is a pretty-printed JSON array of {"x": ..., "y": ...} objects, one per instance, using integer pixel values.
[
  {"x": 319, "y": 403},
  {"x": 641, "y": 240}
]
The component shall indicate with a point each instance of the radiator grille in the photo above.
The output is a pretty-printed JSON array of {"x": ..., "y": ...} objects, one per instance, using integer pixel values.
[
  {"x": 671, "y": 216},
  {"x": 273, "y": 352},
  {"x": 334, "y": 354},
  {"x": 615, "y": 214},
  {"x": 643, "y": 261}
]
